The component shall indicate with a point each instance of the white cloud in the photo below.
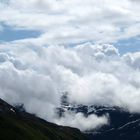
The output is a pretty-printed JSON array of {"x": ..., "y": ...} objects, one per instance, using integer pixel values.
[
  {"x": 64, "y": 21},
  {"x": 83, "y": 123},
  {"x": 92, "y": 74}
]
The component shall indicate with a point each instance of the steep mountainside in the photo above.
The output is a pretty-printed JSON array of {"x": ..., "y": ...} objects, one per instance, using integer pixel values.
[{"x": 16, "y": 124}]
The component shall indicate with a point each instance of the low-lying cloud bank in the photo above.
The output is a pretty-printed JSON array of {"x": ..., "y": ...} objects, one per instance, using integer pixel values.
[
  {"x": 78, "y": 120},
  {"x": 91, "y": 74}
]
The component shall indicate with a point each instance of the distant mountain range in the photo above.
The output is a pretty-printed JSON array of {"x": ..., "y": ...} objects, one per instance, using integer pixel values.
[{"x": 123, "y": 125}]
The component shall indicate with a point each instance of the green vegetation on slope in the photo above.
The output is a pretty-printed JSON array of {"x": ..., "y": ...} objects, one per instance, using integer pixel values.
[{"x": 24, "y": 126}]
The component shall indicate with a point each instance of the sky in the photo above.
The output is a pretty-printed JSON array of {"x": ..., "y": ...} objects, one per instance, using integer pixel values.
[
  {"x": 8, "y": 34},
  {"x": 88, "y": 48}
]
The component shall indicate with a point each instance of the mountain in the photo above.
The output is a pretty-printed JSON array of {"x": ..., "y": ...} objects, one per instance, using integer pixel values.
[
  {"x": 123, "y": 125},
  {"x": 17, "y": 124}
]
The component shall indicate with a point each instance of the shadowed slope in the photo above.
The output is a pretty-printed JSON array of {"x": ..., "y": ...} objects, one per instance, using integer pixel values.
[{"x": 20, "y": 125}]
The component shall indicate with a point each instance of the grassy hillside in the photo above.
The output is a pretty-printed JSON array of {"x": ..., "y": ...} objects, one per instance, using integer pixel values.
[{"x": 24, "y": 126}]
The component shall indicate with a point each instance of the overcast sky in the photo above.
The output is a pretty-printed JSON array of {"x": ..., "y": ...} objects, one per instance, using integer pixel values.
[{"x": 89, "y": 48}]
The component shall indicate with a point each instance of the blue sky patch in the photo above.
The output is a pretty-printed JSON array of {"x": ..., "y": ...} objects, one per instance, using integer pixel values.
[
  {"x": 10, "y": 34},
  {"x": 128, "y": 45}
]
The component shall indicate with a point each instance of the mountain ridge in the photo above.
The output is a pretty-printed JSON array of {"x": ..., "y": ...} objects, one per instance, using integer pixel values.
[
  {"x": 20, "y": 125},
  {"x": 123, "y": 125}
]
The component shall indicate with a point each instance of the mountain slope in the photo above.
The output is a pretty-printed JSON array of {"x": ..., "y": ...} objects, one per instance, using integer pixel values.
[
  {"x": 20, "y": 125},
  {"x": 123, "y": 125},
  {"x": 16, "y": 124}
]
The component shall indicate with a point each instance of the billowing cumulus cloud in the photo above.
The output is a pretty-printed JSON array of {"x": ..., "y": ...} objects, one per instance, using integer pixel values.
[{"x": 91, "y": 74}]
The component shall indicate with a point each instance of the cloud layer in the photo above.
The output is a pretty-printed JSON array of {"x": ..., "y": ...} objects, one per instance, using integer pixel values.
[
  {"x": 91, "y": 74},
  {"x": 73, "y": 21}
]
